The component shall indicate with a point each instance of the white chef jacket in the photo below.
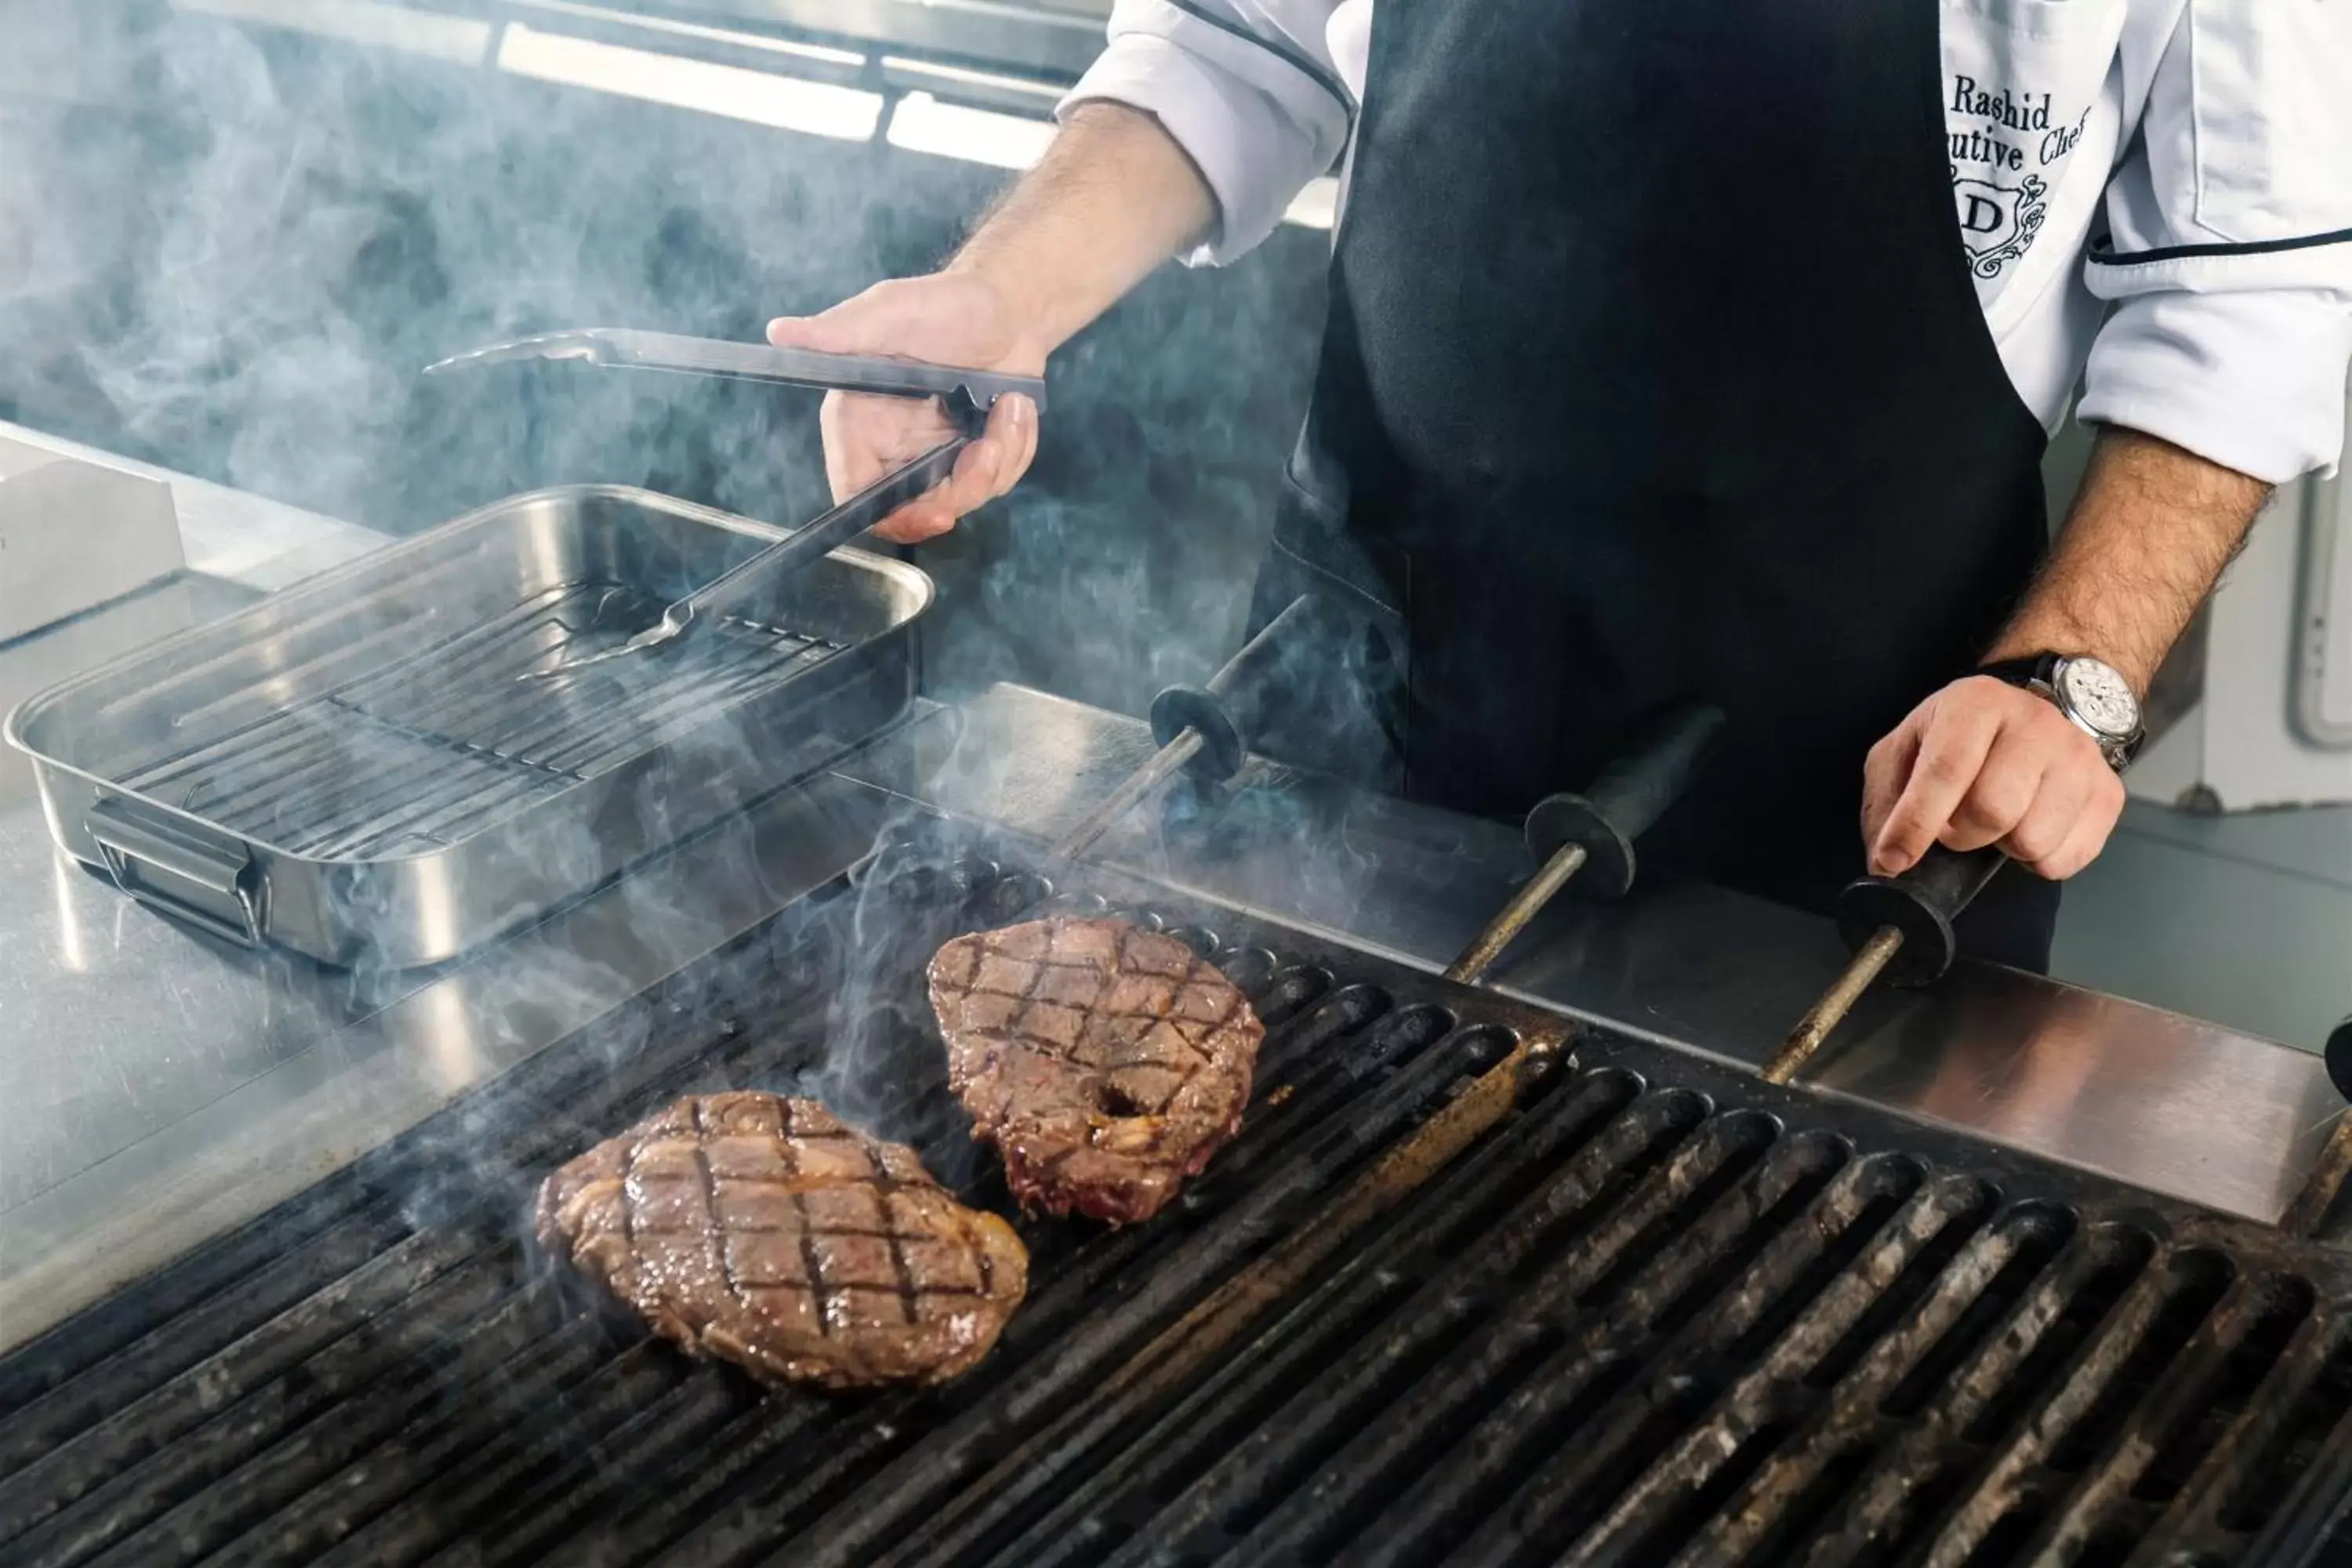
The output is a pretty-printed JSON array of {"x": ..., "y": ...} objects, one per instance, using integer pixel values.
[{"x": 2156, "y": 195}]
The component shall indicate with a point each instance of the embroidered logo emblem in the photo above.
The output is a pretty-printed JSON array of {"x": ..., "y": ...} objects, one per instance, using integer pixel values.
[{"x": 1998, "y": 222}]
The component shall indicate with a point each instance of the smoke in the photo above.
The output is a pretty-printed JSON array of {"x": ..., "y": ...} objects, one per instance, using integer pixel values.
[
  {"x": 228, "y": 250},
  {"x": 285, "y": 229}
]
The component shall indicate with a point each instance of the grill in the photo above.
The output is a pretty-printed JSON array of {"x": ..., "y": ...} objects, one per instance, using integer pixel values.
[
  {"x": 1652, "y": 1312},
  {"x": 412, "y": 758}
]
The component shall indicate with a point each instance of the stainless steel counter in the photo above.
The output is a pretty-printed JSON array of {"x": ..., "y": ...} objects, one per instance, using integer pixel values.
[
  {"x": 107, "y": 1029},
  {"x": 156, "y": 1086},
  {"x": 113, "y": 1025},
  {"x": 229, "y": 1080}
]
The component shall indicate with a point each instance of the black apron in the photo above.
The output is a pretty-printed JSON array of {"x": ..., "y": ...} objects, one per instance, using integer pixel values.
[{"x": 1654, "y": 373}]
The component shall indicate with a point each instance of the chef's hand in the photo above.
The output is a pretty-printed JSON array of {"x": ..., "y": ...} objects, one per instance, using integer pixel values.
[
  {"x": 949, "y": 318},
  {"x": 1983, "y": 762}
]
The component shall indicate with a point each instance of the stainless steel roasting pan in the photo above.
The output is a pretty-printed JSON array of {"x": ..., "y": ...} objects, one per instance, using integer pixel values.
[{"x": 356, "y": 770}]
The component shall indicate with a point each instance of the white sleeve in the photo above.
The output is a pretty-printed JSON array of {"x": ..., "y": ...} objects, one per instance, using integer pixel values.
[
  {"x": 1245, "y": 87},
  {"x": 2229, "y": 255}
]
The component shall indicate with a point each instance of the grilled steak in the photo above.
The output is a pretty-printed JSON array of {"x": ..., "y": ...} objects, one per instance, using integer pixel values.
[
  {"x": 1107, "y": 1063},
  {"x": 761, "y": 1230}
]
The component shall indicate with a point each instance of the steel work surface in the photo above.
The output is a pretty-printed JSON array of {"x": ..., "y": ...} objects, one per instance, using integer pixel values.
[
  {"x": 216, "y": 1082},
  {"x": 1475, "y": 1284}
]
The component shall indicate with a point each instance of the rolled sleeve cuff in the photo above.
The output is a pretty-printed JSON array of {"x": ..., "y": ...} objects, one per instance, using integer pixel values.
[
  {"x": 2254, "y": 382},
  {"x": 1254, "y": 157}
]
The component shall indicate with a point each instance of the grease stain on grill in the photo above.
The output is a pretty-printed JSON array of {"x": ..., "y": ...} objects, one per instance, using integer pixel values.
[
  {"x": 2258, "y": 1336},
  {"x": 2032, "y": 1232},
  {"x": 2113, "y": 1258},
  {"x": 2193, "y": 1283},
  {"x": 2312, "y": 1411},
  {"x": 1461, "y": 1289}
]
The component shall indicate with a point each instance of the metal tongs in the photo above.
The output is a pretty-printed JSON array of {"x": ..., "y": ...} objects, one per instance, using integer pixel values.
[{"x": 966, "y": 394}]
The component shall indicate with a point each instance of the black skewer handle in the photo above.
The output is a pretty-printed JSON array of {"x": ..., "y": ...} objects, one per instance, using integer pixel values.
[
  {"x": 1922, "y": 903},
  {"x": 1629, "y": 794},
  {"x": 2339, "y": 1057},
  {"x": 1229, "y": 708}
]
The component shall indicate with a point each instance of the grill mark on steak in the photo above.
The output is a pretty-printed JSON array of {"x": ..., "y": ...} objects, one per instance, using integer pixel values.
[
  {"x": 710, "y": 1203},
  {"x": 784, "y": 1180},
  {"x": 1107, "y": 1063},
  {"x": 814, "y": 1264},
  {"x": 1114, "y": 1099}
]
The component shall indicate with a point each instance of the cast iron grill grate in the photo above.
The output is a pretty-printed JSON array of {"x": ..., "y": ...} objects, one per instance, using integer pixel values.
[
  {"x": 1657, "y": 1314},
  {"x": 414, "y": 757}
]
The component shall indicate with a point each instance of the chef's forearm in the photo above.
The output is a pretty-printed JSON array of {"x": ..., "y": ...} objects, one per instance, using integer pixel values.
[
  {"x": 2147, "y": 536},
  {"x": 1113, "y": 197}
]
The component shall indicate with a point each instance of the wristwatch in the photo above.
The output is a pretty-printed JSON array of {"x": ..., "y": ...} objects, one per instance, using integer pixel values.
[{"x": 2093, "y": 695}]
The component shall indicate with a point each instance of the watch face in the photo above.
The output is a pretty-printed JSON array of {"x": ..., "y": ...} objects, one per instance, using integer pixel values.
[{"x": 2100, "y": 697}]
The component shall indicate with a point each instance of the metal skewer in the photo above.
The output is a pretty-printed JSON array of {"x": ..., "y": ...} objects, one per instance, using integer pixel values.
[
  {"x": 1505, "y": 928},
  {"x": 1899, "y": 927},
  {"x": 2325, "y": 1182},
  {"x": 1835, "y": 1003},
  {"x": 1137, "y": 787},
  {"x": 1204, "y": 731},
  {"x": 2320, "y": 1188},
  {"x": 1571, "y": 833}
]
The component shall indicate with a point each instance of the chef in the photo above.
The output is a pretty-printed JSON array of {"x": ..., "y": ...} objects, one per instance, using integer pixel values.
[{"x": 1707, "y": 349}]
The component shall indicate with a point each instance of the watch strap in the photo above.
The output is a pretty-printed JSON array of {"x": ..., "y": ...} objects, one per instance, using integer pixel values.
[{"x": 2029, "y": 670}]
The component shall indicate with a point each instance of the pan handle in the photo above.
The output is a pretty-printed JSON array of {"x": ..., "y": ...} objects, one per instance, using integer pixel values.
[{"x": 172, "y": 871}]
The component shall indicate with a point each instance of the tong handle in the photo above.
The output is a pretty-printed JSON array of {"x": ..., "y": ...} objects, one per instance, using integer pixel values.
[
  {"x": 632, "y": 348},
  {"x": 1228, "y": 710},
  {"x": 1629, "y": 794},
  {"x": 823, "y": 536},
  {"x": 1922, "y": 903},
  {"x": 882, "y": 373}
]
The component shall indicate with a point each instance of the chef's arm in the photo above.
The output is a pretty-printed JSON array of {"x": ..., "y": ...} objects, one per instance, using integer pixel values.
[
  {"x": 1189, "y": 134},
  {"x": 1983, "y": 762},
  {"x": 2227, "y": 263},
  {"x": 1114, "y": 196},
  {"x": 2147, "y": 536},
  {"x": 2226, "y": 260}
]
